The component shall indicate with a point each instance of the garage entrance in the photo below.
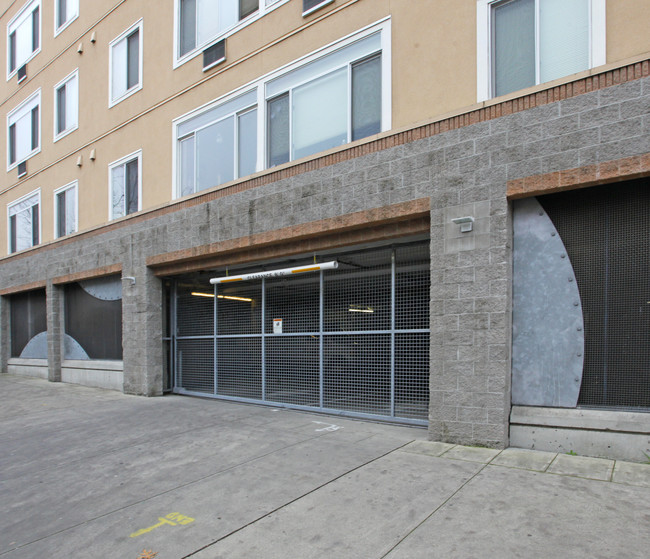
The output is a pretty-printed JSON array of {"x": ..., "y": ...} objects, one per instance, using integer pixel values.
[{"x": 352, "y": 340}]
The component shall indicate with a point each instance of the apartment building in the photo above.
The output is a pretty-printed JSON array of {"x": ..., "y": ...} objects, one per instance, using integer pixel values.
[{"x": 430, "y": 212}]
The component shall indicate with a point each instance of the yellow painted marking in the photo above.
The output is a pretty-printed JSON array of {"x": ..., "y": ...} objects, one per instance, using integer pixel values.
[
  {"x": 229, "y": 280},
  {"x": 172, "y": 519},
  {"x": 312, "y": 269}
]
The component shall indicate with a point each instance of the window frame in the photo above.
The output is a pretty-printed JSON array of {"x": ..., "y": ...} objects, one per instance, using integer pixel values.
[
  {"x": 122, "y": 162},
  {"x": 484, "y": 55},
  {"x": 28, "y": 104},
  {"x": 382, "y": 27},
  {"x": 33, "y": 194},
  {"x": 315, "y": 7},
  {"x": 75, "y": 15},
  {"x": 27, "y": 10},
  {"x": 74, "y": 185},
  {"x": 139, "y": 26},
  {"x": 265, "y": 7},
  {"x": 64, "y": 82}
]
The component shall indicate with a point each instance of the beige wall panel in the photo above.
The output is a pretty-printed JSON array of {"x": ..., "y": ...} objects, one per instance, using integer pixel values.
[
  {"x": 627, "y": 29},
  {"x": 434, "y": 58}
]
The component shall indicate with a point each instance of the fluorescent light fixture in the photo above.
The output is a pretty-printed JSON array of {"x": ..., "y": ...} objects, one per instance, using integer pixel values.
[
  {"x": 277, "y": 273},
  {"x": 229, "y": 297},
  {"x": 360, "y": 308}
]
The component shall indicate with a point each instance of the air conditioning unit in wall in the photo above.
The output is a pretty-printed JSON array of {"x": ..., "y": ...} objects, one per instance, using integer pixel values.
[
  {"x": 214, "y": 54},
  {"x": 22, "y": 169},
  {"x": 22, "y": 73}
]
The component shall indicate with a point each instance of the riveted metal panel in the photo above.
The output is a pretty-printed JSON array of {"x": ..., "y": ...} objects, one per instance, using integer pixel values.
[{"x": 547, "y": 322}]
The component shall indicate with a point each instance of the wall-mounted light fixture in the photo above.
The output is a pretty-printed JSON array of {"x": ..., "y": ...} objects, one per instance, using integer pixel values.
[
  {"x": 93, "y": 155},
  {"x": 466, "y": 223},
  {"x": 93, "y": 37},
  {"x": 80, "y": 161},
  {"x": 131, "y": 278},
  {"x": 80, "y": 48}
]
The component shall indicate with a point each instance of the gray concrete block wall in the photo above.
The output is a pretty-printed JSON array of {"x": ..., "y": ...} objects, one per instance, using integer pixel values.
[{"x": 463, "y": 172}]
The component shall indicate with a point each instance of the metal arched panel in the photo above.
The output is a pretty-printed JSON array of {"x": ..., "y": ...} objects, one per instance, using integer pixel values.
[
  {"x": 72, "y": 349},
  {"x": 547, "y": 321},
  {"x": 36, "y": 348}
]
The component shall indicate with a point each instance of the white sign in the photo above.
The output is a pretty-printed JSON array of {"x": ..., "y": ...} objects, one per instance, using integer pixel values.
[
  {"x": 277, "y": 273},
  {"x": 277, "y": 326}
]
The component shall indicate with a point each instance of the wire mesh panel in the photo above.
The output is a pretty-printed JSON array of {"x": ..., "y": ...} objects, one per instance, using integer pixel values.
[
  {"x": 239, "y": 308},
  {"x": 195, "y": 311},
  {"x": 356, "y": 373},
  {"x": 294, "y": 302},
  {"x": 412, "y": 375},
  {"x": 412, "y": 287},
  {"x": 606, "y": 232},
  {"x": 357, "y": 295},
  {"x": 292, "y": 370},
  {"x": 239, "y": 367},
  {"x": 195, "y": 365}
]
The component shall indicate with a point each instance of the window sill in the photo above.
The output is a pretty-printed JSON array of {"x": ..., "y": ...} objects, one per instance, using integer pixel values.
[
  {"x": 29, "y": 58},
  {"x": 12, "y": 166},
  {"x": 62, "y": 28},
  {"x": 63, "y": 134},
  {"x": 126, "y": 95},
  {"x": 317, "y": 7}
]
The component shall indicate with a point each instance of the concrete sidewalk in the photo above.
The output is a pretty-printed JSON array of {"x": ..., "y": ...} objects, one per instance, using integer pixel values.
[{"x": 92, "y": 473}]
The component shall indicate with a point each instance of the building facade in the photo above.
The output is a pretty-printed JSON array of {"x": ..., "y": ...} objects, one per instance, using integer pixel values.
[{"x": 432, "y": 213}]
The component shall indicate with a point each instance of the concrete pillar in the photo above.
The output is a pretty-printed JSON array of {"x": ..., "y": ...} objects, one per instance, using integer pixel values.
[
  {"x": 55, "y": 330},
  {"x": 5, "y": 334},
  {"x": 142, "y": 323}
]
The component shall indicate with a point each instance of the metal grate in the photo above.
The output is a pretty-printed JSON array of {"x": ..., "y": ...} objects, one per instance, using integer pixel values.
[
  {"x": 412, "y": 375},
  {"x": 195, "y": 365},
  {"x": 239, "y": 367},
  {"x": 355, "y": 339},
  {"x": 356, "y": 373},
  {"x": 606, "y": 231},
  {"x": 195, "y": 314},
  {"x": 292, "y": 370}
]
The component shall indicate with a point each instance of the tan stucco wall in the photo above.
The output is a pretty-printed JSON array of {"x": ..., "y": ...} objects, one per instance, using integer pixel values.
[{"x": 433, "y": 73}]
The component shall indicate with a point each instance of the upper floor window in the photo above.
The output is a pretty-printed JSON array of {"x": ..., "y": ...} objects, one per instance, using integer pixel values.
[
  {"x": 527, "y": 42},
  {"x": 66, "y": 105},
  {"x": 24, "y": 222},
  {"x": 126, "y": 64},
  {"x": 201, "y": 21},
  {"x": 66, "y": 11},
  {"x": 23, "y": 131},
  {"x": 325, "y": 100},
  {"x": 65, "y": 208},
  {"x": 23, "y": 36},
  {"x": 125, "y": 185},
  {"x": 310, "y": 6}
]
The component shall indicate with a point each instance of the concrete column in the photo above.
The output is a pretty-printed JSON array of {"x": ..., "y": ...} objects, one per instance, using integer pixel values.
[
  {"x": 55, "y": 330},
  {"x": 142, "y": 323},
  {"x": 5, "y": 334}
]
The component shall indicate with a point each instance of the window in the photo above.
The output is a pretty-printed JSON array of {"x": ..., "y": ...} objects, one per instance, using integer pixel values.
[
  {"x": 125, "y": 185},
  {"x": 200, "y": 22},
  {"x": 314, "y": 108},
  {"x": 23, "y": 36},
  {"x": 310, "y": 6},
  {"x": 218, "y": 145},
  {"x": 66, "y": 11},
  {"x": 126, "y": 64},
  {"x": 66, "y": 106},
  {"x": 24, "y": 222},
  {"x": 65, "y": 206},
  {"x": 23, "y": 131},
  {"x": 325, "y": 100},
  {"x": 522, "y": 43}
]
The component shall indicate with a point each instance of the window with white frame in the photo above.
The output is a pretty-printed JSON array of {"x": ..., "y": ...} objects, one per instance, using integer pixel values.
[
  {"x": 325, "y": 100},
  {"x": 65, "y": 208},
  {"x": 23, "y": 131},
  {"x": 200, "y": 22},
  {"x": 66, "y": 11},
  {"x": 23, "y": 36},
  {"x": 526, "y": 42},
  {"x": 66, "y": 105},
  {"x": 126, "y": 64},
  {"x": 24, "y": 222},
  {"x": 310, "y": 6},
  {"x": 125, "y": 185}
]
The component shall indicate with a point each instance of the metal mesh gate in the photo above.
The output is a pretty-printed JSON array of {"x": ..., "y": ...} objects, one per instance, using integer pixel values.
[{"x": 353, "y": 340}]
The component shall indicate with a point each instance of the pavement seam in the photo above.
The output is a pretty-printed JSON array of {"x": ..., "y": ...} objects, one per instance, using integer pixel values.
[
  {"x": 265, "y": 515},
  {"x": 434, "y": 510}
]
